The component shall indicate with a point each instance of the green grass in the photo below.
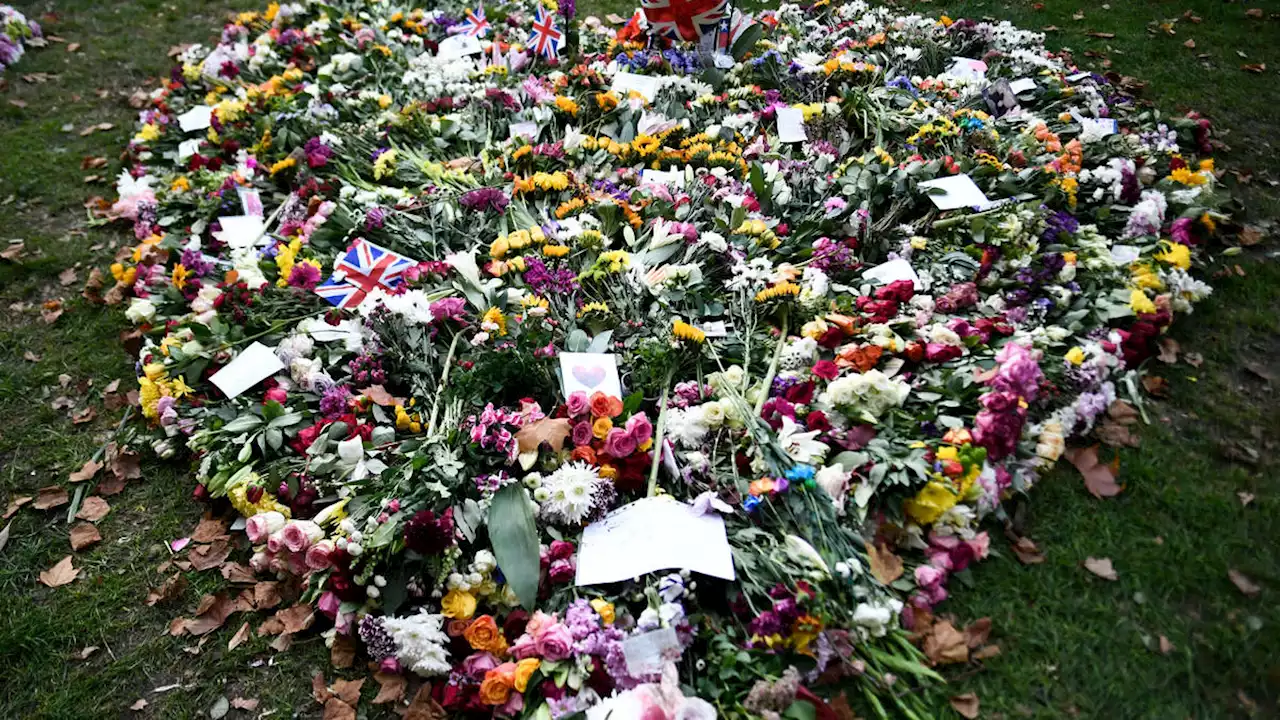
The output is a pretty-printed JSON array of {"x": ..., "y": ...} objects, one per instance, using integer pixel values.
[{"x": 1072, "y": 644}]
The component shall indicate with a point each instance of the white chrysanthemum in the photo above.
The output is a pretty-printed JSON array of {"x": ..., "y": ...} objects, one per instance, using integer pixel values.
[
  {"x": 571, "y": 490},
  {"x": 686, "y": 427},
  {"x": 420, "y": 642}
]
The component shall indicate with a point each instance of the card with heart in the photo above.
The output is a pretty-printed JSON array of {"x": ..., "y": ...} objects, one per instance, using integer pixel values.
[{"x": 590, "y": 373}]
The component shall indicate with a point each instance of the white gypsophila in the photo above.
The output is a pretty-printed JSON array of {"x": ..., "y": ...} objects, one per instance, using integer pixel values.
[
  {"x": 570, "y": 492},
  {"x": 420, "y": 643},
  {"x": 871, "y": 393}
]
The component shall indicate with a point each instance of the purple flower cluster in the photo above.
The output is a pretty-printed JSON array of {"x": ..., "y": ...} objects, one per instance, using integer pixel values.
[
  {"x": 1058, "y": 224},
  {"x": 318, "y": 153},
  {"x": 485, "y": 199},
  {"x": 334, "y": 401},
  {"x": 829, "y": 254},
  {"x": 366, "y": 370},
  {"x": 545, "y": 281}
]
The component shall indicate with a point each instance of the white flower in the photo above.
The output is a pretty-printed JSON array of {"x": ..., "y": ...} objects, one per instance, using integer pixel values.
[
  {"x": 800, "y": 446},
  {"x": 875, "y": 617},
  {"x": 685, "y": 427},
  {"x": 835, "y": 482},
  {"x": 570, "y": 492},
  {"x": 712, "y": 414},
  {"x": 420, "y": 642},
  {"x": 141, "y": 310},
  {"x": 871, "y": 392}
]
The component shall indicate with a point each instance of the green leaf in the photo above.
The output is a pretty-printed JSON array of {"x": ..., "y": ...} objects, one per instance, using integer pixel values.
[
  {"x": 801, "y": 710},
  {"x": 515, "y": 542},
  {"x": 244, "y": 423},
  {"x": 746, "y": 41}
]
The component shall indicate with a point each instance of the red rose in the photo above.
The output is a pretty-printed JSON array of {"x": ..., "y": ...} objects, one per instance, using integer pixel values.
[{"x": 826, "y": 369}]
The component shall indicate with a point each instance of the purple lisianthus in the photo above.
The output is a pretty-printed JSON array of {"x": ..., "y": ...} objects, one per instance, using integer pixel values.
[{"x": 485, "y": 199}]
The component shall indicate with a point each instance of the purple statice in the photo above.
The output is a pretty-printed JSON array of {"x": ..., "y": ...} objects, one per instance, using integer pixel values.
[
  {"x": 318, "y": 153},
  {"x": 485, "y": 199},
  {"x": 196, "y": 263},
  {"x": 581, "y": 619},
  {"x": 373, "y": 633},
  {"x": 334, "y": 401},
  {"x": 545, "y": 281},
  {"x": 1058, "y": 224}
]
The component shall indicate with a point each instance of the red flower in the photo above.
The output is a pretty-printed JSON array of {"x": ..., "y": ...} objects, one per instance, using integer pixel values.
[{"x": 826, "y": 369}]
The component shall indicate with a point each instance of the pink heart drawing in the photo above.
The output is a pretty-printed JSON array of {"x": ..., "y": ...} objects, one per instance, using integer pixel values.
[{"x": 589, "y": 375}]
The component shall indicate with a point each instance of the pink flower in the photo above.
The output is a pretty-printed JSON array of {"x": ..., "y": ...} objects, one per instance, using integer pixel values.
[
  {"x": 329, "y": 604},
  {"x": 260, "y": 562},
  {"x": 524, "y": 647},
  {"x": 261, "y": 526},
  {"x": 276, "y": 393},
  {"x": 562, "y": 571},
  {"x": 390, "y": 665},
  {"x": 980, "y": 545},
  {"x": 560, "y": 550},
  {"x": 578, "y": 403},
  {"x": 477, "y": 664},
  {"x": 298, "y": 535},
  {"x": 928, "y": 576},
  {"x": 639, "y": 428},
  {"x": 275, "y": 541},
  {"x": 582, "y": 434},
  {"x": 304, "y": 275},
  {"x": 555, "y": 642},
  {"x": 318, "y": 556},
  {"x": 539, "y": 622},
  {"x": 619, "y": 443},
  {"x": 826, "y": 369}
]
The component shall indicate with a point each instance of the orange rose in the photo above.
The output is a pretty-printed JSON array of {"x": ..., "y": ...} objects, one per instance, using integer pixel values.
[
  {"x": 584, "y": 452},
  {"x": 524, "y": 670},
  {"x": 497, "y": 685},
  {"x": 605, "y": 405},
  {"x": 483, "y": 634}
]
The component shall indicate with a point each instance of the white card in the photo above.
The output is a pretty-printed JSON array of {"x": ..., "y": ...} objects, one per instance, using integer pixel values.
[
  {"x": 250, "y": 200},
  {"x": 240, "y": 231},
  {"x": 791, "y": 125},
  {"x": 527, "y": 130},
  {"x": 1022, "y": 85},
  {"x": 662, "y": 177},
  {"x": 1096, "y": 127},
  {"x": 653, "y": 123},
  {"x": 187, "y": 148},
  {"x": 1125, "y": 254},
  {"x": 967, "y": 68},
  {"x": 460, "y": 45},
  {"x": 590, "y": 373},
  {"x": 197, "y": 118},
  {"x": 257, "y": 363},
  {"x": 714, "y": 328},
  {"x": 656, "y": 533},
  {"x": 892, "y": 271},
  {"x": 646, "y": 85},
  {"x": 957, "y": 191},
  {"x": 1079, "y": 76},
  {"x": 646, "y": 653}
]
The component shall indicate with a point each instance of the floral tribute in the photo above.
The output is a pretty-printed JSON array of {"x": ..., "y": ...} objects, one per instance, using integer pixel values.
[
  {"x": 809, "y": 346},
  {"x": 16, "y": 34}
]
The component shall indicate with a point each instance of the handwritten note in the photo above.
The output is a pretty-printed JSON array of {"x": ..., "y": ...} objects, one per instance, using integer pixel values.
[
  {"x": 656, "y": 533},
  {"x": 955, "y": 191}
]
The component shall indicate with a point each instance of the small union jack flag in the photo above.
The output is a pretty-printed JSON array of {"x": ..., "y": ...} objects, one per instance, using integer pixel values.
[
  {"x": 684, "y": 19},
  {"x": 545, "y": 38},
  {"x": 363, "y": 267},
  {"x": 474, "y": 23},
  {"x": 730, "y": 30}
]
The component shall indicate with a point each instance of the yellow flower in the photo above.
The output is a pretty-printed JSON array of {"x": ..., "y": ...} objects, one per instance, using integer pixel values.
[
  {"x": 524, "y": 670},
  {"x": 179, "y": 277},
  {"x": 781, "y": 290},
  {"x": 1140, "y": 303},
  {"x": 605, "y": 609},
  {"x": 180, "y": 184},
  {"x": 555, "y": 250},
  {"x": 154, "y": 371},
  {"x": 685, "y": 331},
  {"x": 1186, "y": 177},
  {"x": 458, "y": 605},
  {"x": 602, "y": 308},
  {"x": 229, "y": 110},
  {"x": 607, "y": 101},
  {"x": 929, "y": 504},
  {"x": 282, "y": 165},
  {"x": 601, "y": 427},
  {"x": 1145, "y": 277},
  {"x": 493, "y": 316},
  {"x": 1075, "y": 355},
  {"x": 180, "y": 388},
  {"x": 384, "y": 165},
  {"x": 147, "y": 133},
  {"x": 1175, "y": 254},
  {"x": 566, "y": 105},
  {"x": 238, "y": 496}
]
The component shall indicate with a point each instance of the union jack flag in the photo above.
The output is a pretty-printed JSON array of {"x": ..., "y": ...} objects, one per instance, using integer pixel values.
[
  {"x": 684, "y": 19},
  {"x": 361, "y": 268},
  {"x": 545, "y": 37},
  {"x": 731, "y": 29},
  {"x": 474, "y": 24}
]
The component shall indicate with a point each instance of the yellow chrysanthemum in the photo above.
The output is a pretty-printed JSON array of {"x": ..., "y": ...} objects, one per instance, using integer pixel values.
[{"x": 685, "y": 331}]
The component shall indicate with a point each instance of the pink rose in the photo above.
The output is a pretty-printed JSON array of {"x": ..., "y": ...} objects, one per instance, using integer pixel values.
[
  {"x": 524, "y": 647},
  {"x": 275, "y": 541},
  {"x": 476, "y": 665},
  {"x": 639, "y": 428},
  {"x": 261, "y": 526},
  {"x": 298, "y": 535},
  {"x": 562, "y": 571},
  {"x": 582, "y": 434},
  {"x": 329, "y": 604},
  {"x": 981, "y": 545},
  {"x": 555, "y": 642},
  {"x": 539, "y": 622},
  {"x": 619, "y": 443},
  {"x": 260, "y": 562},
  {"x": 318, "y": 556},
  {"x": 276, "y": 393},
  {"x": 560, "y": 550},
  {"x": 578, "y": 403},
  {"x": 928, "y": 576},
  {"x": 390, "y": 665}
]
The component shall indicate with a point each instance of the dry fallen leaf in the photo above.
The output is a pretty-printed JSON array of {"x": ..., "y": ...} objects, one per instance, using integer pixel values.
[
  {"x": 241, "y": 635},
  {"x": 297, "y": 618},
  {"x": 424, "y": 707},
  {"x": 335, "y": 709},
  {"x": 59, "y": 574},
  {"x": 390, "y": 687},
  {"x": 208, "y": 530},
  {"x": 966, "y": 705},
  {"x": 93, "y": 509},
  {"x": 139, "y": 705},
  {"x": 169, "y": 590},
  {"x": 977, "y": 632},
  {"x": 50, "y": 497},
  {"x": 1101, "y": 567},
  {"x": 266, "y": 595},
  {"x": 1255, "y": 68},
  {"x": 943, "y": 643},
  {"x": 205, "y": 557},
  {"x": 552, "y": 431},
  {"x": 246, "y": 704},
  {"x": 15, "y": 504},
  {"x": 86, "y": 472},
  {"x": 1098, "y": 478},
  {"x": 885, "y": 566},
  {"x": 1243, "y": 583},
  {"x": 348, "y": 691},
  {"x": 1190, "y": 44},
  {"x": 343, "y": 653},
  {"x": 83, "y": 535},
  {"x": 380, "y": 396}
]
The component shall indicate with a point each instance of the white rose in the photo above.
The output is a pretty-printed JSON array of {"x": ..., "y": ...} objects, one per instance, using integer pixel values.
[
  {"x": 141, "y": 310},
  {"x": 713, "y": 414}
]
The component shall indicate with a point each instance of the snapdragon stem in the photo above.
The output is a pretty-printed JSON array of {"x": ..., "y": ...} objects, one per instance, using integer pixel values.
[
  {"x": 658, "y": 434},
  {"x": 444, "y": 380},
  {"x": 773, "y": 365}
]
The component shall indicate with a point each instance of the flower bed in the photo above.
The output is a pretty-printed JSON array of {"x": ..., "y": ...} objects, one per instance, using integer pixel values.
[{"x": 503, "y": 359}]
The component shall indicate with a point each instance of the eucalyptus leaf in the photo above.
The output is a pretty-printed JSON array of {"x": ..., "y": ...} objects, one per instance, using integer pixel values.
[{"x": 515, "y": 542}]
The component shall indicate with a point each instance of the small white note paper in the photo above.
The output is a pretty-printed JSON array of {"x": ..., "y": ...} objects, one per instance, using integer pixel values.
[
  {"x": 967, "y": 68},
  {"x": 648, "y": 652},
  {"x": 1079, "y": 76},
  {"x": 655, "y": 533},
  {"x": 1125, "y": 254},
  {"x": 187, "y": 148},
  {"x": 1022, "y": 85},
  {"x": 590, "y": 373},
  {"x": 240, "y": 231},
  {"x": 197, "y": 118},
  {"x": 646, "y": 85},
  {"x": 791, "y": 125},
  {"x": 257, "y": 363},
  {"x": 1096, "y": 127},
  {"x": 714, "y": 328},
  {"x": 250, "y": 200},
  {"x": 460, "y": 45},
  {"x": 663, "y": 177},
  {"x": 957, "y": 191},
  {"x": 892, "y": 271},
  {"x": 526, "y": 130}
]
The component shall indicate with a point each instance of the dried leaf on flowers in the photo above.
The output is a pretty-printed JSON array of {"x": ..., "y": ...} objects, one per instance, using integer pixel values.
[
  {"x": 380, "y": 396},
  {"x": 885, "y": 566},
  {"x": 83, "y": 535},
  {"x": 423, "y": 706},
  {"x": 1243, "y": 583},
  {"x": 93, "y": 509},
  {"x": 266, "y": 594},
  {"x": 391, "y": 687},
  {"x": 59, "y": 574},
  {"x": 51, "y": 497},
  {"x": 1101, "y": 567},
  {"x": 335, "y": 709},
  {"x": 348, "y": 691},
  {"x": 966, "y": 705},
  {"x": 943, "y": 644},
  {"x": 1098, "y": 478},
  {"x": 205, "y": 557},
  {"x": 209, "y": 529},
  {"x": 551, "y": 431}
]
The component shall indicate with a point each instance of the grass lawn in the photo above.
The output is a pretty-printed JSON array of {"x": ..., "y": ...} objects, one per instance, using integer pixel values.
[{"x": 1072, "y": 644}]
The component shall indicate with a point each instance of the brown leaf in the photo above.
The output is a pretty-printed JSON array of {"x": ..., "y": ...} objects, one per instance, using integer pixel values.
[
  {"x": 989, "y": 651},
  {"x": 1243, "y": 583},
  {"x": 67, "y": 277},
  {"x": 14, "y": 251},
  {"x": 266, "y": 595},
  {"x": 110, "y": 486},
  {"x": 246, "y": 704},
  {"x": 86, "y": 471},
  {"x": 966, "y": 705},
  {"x": 380, "y": 396},
  {"x": 50, "y": 497},
  {"x": 15, "y": 504},
  {"x": 1157, "y": 386},
  {"x": 271, "y": 626},
  {"x": 83, "y": 535},
  {"x": 335, "y": 709},
  {"x": 234, "y": 572},
  {"x": 977, "y": 632},
  {"x": 211, "y": 614},
  {"x": 1101, "y": 567},
  {"x": 238, "y": 639},
  {"x": 1098, "y": 478},
  {"x": 1027, "y": 551},
  {"x": 348, "y": 691},
  {"x": 1255, "y": 13},
  {"x": 30, "y": 356},
  {"x": 343, "y": 653},
  {"x": 204, "y": 557},
  {"x": 390, "y": 687},
  {"x": 169, "y": 590},
  {"x": 424, "y": 707},
  {"x": 320, "y": 689},
  {"x": 943, "y": 643},
  {"x": 20, "y": 104},
  {"x": 83, "y": 416},
  {"x": 208, "y": 530},
  {"x": 1102, "y": 35},
  {"x": 123, "y": 463},
  {"x": 1169, "y": 349},
  {"x": 1255, "y": 68},
  {"x": 59, "y": 574},
  {"x": 885, "y": 566},
  {"x": 86, "y": 652},
  {"x": 1250, "y": 235},
  {"x": 93, "y": 509},
  {"x": 552, "y": 431},
  {"x": 297, "y": 618}
]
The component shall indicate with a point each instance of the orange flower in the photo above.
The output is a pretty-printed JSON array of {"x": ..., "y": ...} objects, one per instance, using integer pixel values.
[
  {"x": 524, "y": 670},
  {"x": 484, "y": 634},
  {"x": 498, "y": 683},
  {"x": 863, "y": 358},
  {"x": 584, "y": 452},
  {"x": 605, "y": 405}
]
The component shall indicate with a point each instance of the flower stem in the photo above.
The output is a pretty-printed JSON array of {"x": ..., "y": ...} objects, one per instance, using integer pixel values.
[
  {"x": 444, "y": 380},
  {"x": 658, "y": 434},
  {"x": 773, "y": 364}
]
